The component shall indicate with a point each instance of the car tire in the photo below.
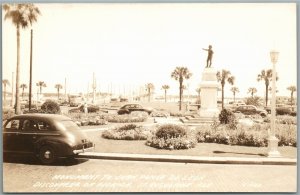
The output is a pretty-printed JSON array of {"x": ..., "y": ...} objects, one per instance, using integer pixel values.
[{"x": 47, "y": 155}]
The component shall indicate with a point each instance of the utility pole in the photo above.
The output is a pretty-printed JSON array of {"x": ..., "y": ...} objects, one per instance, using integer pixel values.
[
  {"x": 94, "y": 87},
  {"x": 12, "y": 90},
  {"x": 65, "y": 88},
  {"x": 87, "y": 95},
  {"x": 30, "y": 71}
]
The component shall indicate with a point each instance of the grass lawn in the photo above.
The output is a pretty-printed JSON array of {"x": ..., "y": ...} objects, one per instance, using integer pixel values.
[{"x": 201, "y": 149}]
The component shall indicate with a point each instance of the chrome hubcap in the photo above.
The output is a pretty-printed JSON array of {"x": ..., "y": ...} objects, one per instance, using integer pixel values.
[{"x": 47, "y": 154}]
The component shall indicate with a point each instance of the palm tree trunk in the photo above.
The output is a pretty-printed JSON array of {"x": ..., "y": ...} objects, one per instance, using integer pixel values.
[
  {"x": 180, "y": 93},
  {"x": 58, "y": 93},
  {"x": 292, "y": 98},
  {"x": 233, "y": 97},
  {"x": 4, "y": 92},
  {"x": 222, "y": 97},
  {"x": 149, "y": 94},
  {"x": 18, "y": 106},
  {"x": 22, "y": 92},
  {"x": 252, "y": 94},
  {"x": 165, "y": 95},
  {"x": 267, "y": 86}
]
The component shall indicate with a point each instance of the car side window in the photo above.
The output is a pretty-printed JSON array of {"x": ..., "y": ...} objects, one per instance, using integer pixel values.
[
  {"x": 29, "y": 125},
  {"x": 43, "y": 126},
  {"x": 13, "y": 125}
]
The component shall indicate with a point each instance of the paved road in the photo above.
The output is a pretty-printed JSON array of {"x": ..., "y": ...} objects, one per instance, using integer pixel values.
[{"x": 82, "y": 175}]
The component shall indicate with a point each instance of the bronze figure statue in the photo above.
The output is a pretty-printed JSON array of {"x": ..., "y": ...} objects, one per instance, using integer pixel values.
[{"x": 209, "y": 56}]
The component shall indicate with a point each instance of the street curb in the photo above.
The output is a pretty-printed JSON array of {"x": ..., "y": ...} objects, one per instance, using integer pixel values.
[{"x": 188, "y": 159}]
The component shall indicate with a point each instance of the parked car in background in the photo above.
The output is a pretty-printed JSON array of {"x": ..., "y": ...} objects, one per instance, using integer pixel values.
[
  {"x": 268, "y": 108},
  {"x": 47, "y": 136},
  {"x": 283, "y": 109},
  {"x": 288, "y": 110},
  {"x": 128, "y": 108},
  {"x": 90, "y": 108},
  {"x": 250, "y": 110}
]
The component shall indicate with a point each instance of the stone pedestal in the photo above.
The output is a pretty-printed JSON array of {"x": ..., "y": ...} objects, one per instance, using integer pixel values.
[{"x": 209, "y": 89}]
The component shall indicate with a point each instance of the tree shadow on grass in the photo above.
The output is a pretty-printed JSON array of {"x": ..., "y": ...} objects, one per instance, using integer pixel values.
[{"x": 244, "y": 153}]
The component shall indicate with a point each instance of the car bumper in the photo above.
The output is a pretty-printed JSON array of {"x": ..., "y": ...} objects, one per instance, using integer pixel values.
[{"x": 84, "y": 149}]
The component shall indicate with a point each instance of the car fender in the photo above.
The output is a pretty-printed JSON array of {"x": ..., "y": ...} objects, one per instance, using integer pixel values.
[{"x": 60, "y": 146}]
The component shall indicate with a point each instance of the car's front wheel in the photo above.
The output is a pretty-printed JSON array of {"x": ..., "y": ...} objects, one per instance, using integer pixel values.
[{"x": 47, "y": 155}]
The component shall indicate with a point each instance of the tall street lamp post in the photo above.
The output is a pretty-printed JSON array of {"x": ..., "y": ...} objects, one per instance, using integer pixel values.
[{"x": 273, "y": 141}]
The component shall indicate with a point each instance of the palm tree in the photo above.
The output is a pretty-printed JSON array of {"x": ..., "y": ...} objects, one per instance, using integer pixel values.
[
  {"x": 266, "y": 75},
  {"x": 58, "y": 87},
  {"x": 23, "y": 86},
  {"x": 179, "y": 74},
  {"x": 41, "y": 84},
  {"x": 252, "y": 91},
  {"x": 270, "y": 89},
  {"x": 234, "y": 91},
  {"x": 222, "y": 77},
  {"x": 21, "y": 15},
  {"x": 150, "y": 89},
  {"x": 292, "y": 89},
  {"x": 165, "y": 87},
  {"x": 5, "y": 82}
]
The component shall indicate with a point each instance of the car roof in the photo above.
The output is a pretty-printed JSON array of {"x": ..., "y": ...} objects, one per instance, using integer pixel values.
[{"x": 45, "y": 117}]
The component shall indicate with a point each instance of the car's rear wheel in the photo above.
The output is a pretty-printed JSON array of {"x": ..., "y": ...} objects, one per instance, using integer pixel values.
[{"x": 47, "y": 155}]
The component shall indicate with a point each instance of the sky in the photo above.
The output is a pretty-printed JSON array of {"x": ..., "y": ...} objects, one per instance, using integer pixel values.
[{"x": 128, "y": 45}]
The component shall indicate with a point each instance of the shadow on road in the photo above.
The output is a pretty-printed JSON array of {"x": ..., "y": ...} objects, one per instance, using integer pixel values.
[
  {"x": 223, "y": 152},
  {"x": 31, "y": 160}
]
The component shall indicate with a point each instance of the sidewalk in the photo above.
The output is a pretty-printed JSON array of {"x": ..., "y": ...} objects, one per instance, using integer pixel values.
[{"x": 189, "y": 159}]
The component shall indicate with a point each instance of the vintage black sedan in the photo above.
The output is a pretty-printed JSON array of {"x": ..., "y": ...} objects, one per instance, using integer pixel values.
[
  {"x": 47, "y": 136},
  {"x": 128, "y": 108}
]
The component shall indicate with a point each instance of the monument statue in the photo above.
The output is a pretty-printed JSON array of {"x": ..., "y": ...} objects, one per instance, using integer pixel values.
[{"x": 209, "y": 56}]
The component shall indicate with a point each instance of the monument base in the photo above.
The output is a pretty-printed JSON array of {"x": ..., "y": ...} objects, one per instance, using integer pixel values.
[
  {"x": 209, "y": 112},
  {"x": 195, "y": 120}
]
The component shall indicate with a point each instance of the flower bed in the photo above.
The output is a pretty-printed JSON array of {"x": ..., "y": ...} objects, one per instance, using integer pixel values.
[
  {"x": 126, "y": 118},
  {"x": 160, "y": 114},
  {"x": 257, "y": 135},
  {"x": 283, "y": 119},
  {"x": 127, "y": 132},
  {"x": 82, "y": 119},
  {"x": 171, "y": 137}
]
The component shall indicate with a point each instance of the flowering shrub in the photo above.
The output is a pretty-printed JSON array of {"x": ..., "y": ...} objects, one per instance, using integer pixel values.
[
  {"x": 228, "y": 117},
  {"x": 177, "y": 114},
  {"x": 171, "y": 137},
  {"x": 127, "y": 132},
  {"x": 126, "y": 118},
  {"x": 160, "y": 114},
  {"x": 51, "y": 107},
  {"x": 170, "y": 130},
  {"x": 285, "y": 119},
  {"x": 82, "y": 119},
  {"x": 172, "y": 143}
]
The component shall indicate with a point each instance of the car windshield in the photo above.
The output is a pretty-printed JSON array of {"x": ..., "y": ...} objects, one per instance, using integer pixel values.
[{"x": 69, "y": 125}]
